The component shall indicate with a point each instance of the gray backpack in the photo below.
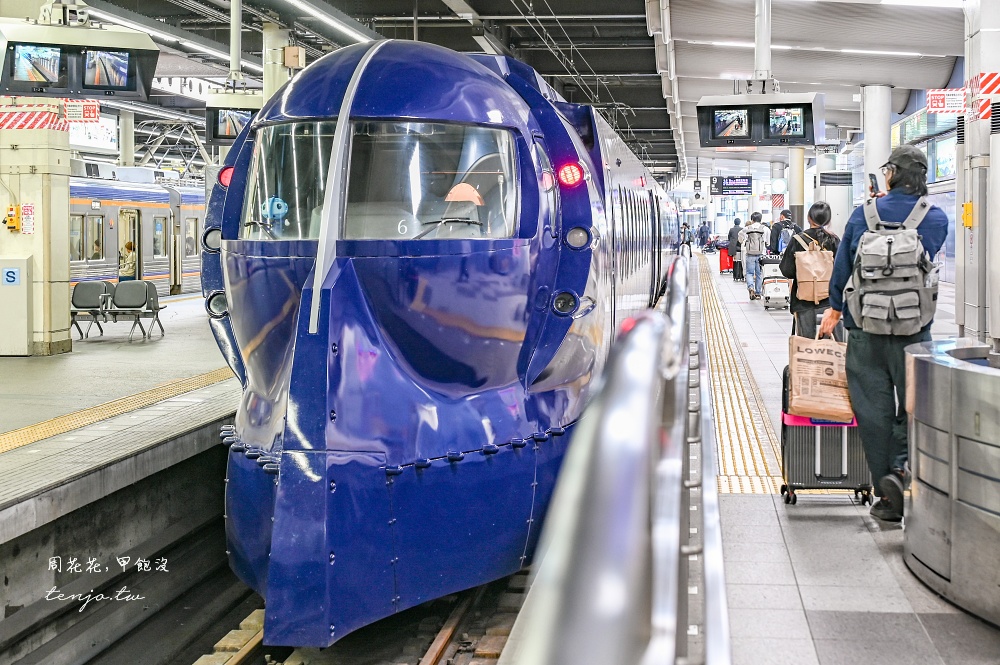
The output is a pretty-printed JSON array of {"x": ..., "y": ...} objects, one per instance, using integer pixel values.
[{"x": 893, "y": 289}]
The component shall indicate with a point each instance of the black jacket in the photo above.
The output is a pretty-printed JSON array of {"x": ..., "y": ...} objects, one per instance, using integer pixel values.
[
  {"x": 827, "y": 241},
  {"x": 776, "y": 230},
  {"x": 734, "y": 240}
]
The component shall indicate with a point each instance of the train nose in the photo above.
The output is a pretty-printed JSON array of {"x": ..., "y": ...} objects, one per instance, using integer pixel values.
[{"x": 264, "y": 291}]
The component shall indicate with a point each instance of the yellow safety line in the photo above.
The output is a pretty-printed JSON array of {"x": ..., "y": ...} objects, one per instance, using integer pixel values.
[
  {"x": 62, "y": 424},
  {"x": 742, "y": 427}
]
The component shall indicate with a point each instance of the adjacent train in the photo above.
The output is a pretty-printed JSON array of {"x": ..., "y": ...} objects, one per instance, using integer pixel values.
[
  {"x": 416, "y": 262},
  {"x": 164, "y": 222}
]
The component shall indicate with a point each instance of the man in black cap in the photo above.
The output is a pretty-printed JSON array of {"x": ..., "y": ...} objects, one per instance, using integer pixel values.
[
  {"x": 775, "y": 245},
  {"x": 876, "y": 372}
]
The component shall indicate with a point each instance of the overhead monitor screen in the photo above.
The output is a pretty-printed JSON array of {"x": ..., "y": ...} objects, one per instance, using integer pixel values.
[
  {"x": 38, "y": 64},
  {"x": 106, "y": 69},
  {"x": 231, "y": 122},
  {"x": 786, "y": 122},
  {"x": 731, "y": 123}
]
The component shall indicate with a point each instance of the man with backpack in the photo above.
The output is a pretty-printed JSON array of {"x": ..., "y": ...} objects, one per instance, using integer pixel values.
[
  {"x": 753, "y": 246},
  {"x": 783, "y": 232},
  {"x": 884, "y": 274}
]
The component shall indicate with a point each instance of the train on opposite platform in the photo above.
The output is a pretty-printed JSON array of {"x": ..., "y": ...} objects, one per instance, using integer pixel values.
[
  {"x": 416, "y": 262},
  {"x": 162, "y": 218}
]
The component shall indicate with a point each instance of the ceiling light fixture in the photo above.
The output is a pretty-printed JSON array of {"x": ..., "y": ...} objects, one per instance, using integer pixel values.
[
  {"x": 208, "y": 50},
  {"x": 162, "y": 36},
  {"x": 942, "y": 4},
  {"x": 170, "y": 39},
  {"x": 329, "y": 20},
  {"x": 859, "y": 51}
]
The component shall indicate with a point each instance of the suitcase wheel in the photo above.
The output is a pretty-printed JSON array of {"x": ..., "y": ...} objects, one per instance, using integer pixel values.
[
  {"x": 784, "y": 488},
  {"x": 791, "y": 497}
]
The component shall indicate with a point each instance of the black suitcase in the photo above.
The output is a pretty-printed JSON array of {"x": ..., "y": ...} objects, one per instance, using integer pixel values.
[
  {"x": 820, "y": 454},
  {"x": 738, "y": 271}
]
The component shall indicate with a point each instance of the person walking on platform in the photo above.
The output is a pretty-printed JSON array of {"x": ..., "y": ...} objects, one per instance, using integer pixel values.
[
  {"x": 126, "y": 271},
  {"x": 782, "y": 232},
  {"x": 703, "y": 234},
  {"x": 753, "y": 245},
  {"x": 734, "y": 249},
  {"x": 886, "y": 306},
  {"x": 804, "y": 312}
]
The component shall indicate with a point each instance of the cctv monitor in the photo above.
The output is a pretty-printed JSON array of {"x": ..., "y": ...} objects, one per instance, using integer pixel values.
[
  {"x": 786, "y": 122},
  {"x": 107, "y": 70},
  {"x": 730, "y": 123},
  {"x": 38, "y": 65},
  {"x": 231, "y": 122}
]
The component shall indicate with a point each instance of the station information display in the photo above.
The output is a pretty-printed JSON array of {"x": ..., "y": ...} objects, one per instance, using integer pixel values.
[{"x": 739, "y": 185}]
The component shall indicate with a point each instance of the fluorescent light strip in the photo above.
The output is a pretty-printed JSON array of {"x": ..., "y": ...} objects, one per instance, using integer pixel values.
[
  {"x": 329, "y": 20},
  {"x": 219, "y": 54},
  {"x": 162, "y": 36},
  {"x": 818, "y": 49}
]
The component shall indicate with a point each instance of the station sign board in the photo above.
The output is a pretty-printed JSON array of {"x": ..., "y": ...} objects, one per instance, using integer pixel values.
[{"x": 739, "y": 185}]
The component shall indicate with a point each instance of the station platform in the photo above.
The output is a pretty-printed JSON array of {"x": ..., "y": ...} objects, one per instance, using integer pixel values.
[
  {"x": 104, "y": 368},
  {"x": 820, "y": 581},
  {"x": 96, "y": 448}
]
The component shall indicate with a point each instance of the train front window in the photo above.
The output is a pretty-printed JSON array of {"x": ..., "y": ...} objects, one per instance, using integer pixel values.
[
  {"x": 431, "y": 181},
  {"x": 284, "y": 198}
]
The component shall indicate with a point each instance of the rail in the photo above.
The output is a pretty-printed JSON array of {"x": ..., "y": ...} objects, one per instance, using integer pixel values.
[{"x": 613, "y": 582}]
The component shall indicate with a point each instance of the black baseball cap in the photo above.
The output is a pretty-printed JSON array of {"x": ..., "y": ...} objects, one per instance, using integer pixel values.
[
  {"x": 908, "y": 158},
  {"x": 786, "y": 213}
]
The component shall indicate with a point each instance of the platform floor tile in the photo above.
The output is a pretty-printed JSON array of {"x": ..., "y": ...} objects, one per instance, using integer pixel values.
[{"x": 821, "y": 581}]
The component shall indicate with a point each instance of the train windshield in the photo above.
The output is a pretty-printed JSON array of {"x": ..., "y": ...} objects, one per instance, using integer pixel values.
[
  {"x": 288, "y": 181},
  {"x": 431, "y": 181}
]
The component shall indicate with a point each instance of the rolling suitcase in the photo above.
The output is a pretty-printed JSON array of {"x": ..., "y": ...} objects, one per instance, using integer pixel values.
[
  {"x": 725, "y": 260},
  {"x": 818, "y": 454},
  {"x": 738, "y": 271},
  {"x": 776, "y": 289}
]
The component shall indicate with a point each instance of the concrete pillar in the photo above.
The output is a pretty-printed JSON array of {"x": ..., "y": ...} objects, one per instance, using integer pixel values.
[
  {"x": 797, "y": 184},
  {"x": 126, "y": 138},
  {"x": 778, "y": 173},
  {"x": 981, "y": 284},
  {"x": 35, "y": 178},
  {"x": 275, "y": 72},
  {"x": 876, "y": 111}
]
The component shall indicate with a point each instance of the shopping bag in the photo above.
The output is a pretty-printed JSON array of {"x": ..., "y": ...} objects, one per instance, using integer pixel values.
[{"x": 818, "y": 376}]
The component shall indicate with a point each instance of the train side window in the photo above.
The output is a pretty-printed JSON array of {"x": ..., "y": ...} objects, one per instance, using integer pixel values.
[
  {"x": 76, "y": 238},
  {"x": 95, "y": 237},
  {"x": 191, "y": 236},
  {"x": 159, "y": 236}
]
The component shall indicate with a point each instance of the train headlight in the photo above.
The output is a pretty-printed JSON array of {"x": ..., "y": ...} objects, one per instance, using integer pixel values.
[
  {"x": 217, "y": 305},
  {"x": 570, "y": 175},
  {"x": 212, "y": 239},
  {"x": 565, "y": 303},
  {"x": 577, "y": 237}
]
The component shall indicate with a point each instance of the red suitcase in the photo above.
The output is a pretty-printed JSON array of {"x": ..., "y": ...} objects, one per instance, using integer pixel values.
[{"x": 725, "y": 260}]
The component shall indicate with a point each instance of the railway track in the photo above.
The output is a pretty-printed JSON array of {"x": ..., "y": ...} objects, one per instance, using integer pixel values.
[{"x": 470, "y": 628}]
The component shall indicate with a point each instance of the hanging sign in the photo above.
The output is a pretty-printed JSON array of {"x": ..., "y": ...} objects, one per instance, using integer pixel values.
[
  {"x": 82, "y": 110},
  {"x": 947, "y": 100}
]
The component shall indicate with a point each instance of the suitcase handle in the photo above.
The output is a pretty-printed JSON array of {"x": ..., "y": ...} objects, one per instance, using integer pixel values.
[{"x": 843, "y": 455}]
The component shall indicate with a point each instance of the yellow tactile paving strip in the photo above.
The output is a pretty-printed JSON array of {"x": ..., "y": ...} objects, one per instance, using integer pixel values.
[
  {"x": 62, "y": 424},
  {"x": 742, "y": 427}
]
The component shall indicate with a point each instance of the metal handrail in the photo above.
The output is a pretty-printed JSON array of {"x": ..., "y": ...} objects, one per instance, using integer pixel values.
[{"x": 612, "y": 583}]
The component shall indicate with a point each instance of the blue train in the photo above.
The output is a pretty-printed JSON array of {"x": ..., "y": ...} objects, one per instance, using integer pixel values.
[{"x": 416, "y": 261}]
